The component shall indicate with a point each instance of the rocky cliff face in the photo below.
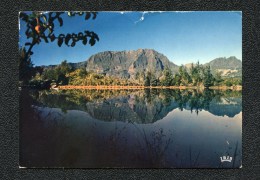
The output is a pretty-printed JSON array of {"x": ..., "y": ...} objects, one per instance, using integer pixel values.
[
  {"x": 126, "y": 64},
  {"x": 230, "y": 67},
  {"x": 219, "y": 63}
]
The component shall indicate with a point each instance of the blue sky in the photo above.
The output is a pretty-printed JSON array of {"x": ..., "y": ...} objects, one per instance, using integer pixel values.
[{"x": 183, "y": 37}]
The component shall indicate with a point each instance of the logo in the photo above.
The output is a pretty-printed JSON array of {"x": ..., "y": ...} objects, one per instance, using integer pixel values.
[{"x": 226, "y": 158}]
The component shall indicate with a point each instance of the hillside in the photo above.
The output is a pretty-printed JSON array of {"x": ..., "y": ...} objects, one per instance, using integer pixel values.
[
  {"x": 229, "y": 67},
  {"x": 126, "y": 64}
]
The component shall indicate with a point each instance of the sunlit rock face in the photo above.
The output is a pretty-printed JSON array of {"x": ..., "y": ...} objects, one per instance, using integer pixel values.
[{"x": 126, "y": 64}]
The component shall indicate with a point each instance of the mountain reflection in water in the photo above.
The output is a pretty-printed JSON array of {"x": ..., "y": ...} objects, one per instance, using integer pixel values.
[
  {"x": 130, "y": 128},
  {"x": 146, "y": 106}
]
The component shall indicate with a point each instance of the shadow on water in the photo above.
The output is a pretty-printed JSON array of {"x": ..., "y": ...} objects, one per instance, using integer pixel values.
[{"x": 128, "y": 128}]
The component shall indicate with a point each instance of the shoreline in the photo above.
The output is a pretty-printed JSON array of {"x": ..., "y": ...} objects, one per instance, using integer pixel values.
[{"x": 237, "y": 88}]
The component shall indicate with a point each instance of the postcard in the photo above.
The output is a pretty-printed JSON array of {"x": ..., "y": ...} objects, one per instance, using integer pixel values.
[{"x": 159, "y": 89}]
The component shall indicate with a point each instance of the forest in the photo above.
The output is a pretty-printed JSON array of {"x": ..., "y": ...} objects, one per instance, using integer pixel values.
[
  {"x": 40, "y": 29},
  {"x": 197, "y": 75}
]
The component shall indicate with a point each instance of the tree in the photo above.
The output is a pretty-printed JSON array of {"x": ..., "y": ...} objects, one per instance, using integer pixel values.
[
  {"x": 147, "y": 81},
  {"x": 40, "y": 28},
  {"x": 182, "y": 74},
  {"x": 49, "y": 74},
  {"x": 25, "y": 66},
  {"x": 154, "y": 81},
  {"x": 82, "y": 72},
  {"x": 64, "y": 67},
  {"x": 186, "y": 79},
  {"x": 196, "y": 74},
  {"x": 218, "y": 78},
  {"x": 167, "y": 77},
  {"x": 61, "y": 72},
  {"x": 208, "y": 79},
  {"x": 140, "y": 78},
  {"x": 176, "y": 80}
]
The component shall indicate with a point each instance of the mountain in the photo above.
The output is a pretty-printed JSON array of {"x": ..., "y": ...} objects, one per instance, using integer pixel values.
[
  {"x": 229, "y": 67},
  {"x": 78, "y": 65},
  {"x": 126, "y": 64}
]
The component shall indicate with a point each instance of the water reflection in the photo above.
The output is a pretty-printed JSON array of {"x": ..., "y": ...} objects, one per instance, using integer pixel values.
[
  {"x": 146, "y": 106},
  {"x": 147, "y": 128}
]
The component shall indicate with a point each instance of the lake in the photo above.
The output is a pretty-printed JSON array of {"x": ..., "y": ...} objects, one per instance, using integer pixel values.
[{"x": 150, "y": 128}]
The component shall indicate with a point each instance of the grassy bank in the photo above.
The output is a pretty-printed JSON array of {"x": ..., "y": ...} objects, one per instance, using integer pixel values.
[
  {"x": 150, "y": 87},
  {"x": 238, "y": 88}
]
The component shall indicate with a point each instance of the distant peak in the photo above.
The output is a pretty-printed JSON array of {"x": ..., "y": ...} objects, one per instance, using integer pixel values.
[
  {"x": 233, "y": 58},
  {"x": 136, "y": 50}
]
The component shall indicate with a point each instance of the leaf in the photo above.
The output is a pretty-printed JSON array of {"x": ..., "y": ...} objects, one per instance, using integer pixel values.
[
  {"x": 50, "y": 14},
  {"x": 92, "y": 42},
  {"x": 87, "y": 16},
  {"x": 59, "y": 13},
  {"x": 52, "y": 37},
  {"x": 74, "y": 37},
  {"x": 45, "y": 39},
  {"x": 60, "y": 41},
  {"x": 34, "y": 22},
  {"x": 34, "y": 14},
  {"x": 94, "y": 15},
  {"x": 50, "y": 17},
  {"x": 85, "y": 40},
  {"x": 60, "y": 21},
  {"x": 87, "y": 33},
  {"x": 80, "y": 35},
  {"x": 67, "y": 39},
  {"x": 96, "y": 36},
  {"x": 73, "y": 44},
  {"x": 24, "y": 16}
]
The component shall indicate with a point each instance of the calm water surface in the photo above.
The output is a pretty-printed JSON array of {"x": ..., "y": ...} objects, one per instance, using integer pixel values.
[{"x": 137, "y": 128}]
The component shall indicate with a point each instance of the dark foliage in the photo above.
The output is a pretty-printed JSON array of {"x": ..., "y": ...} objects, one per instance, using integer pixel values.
[{"x": 40, "y": 28}]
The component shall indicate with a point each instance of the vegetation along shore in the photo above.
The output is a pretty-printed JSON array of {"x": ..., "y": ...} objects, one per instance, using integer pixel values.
[{"x": 118, "y": 70}]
